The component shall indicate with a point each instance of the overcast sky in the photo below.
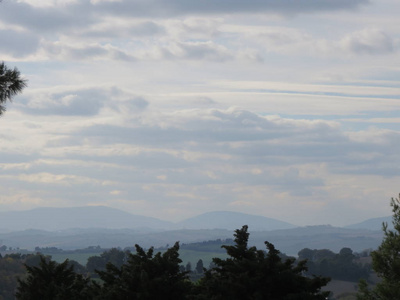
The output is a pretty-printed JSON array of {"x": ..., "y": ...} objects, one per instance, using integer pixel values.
[{"x": 286, "y": 109}]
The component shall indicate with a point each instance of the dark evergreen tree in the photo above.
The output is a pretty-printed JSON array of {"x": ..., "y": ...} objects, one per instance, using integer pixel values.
[
  {"x": 146, "y": 276},
  {"x": 249, "y": 273},
  {"x": 199, "y": 267},
  {"x": 188, "y": 267},
  {"x": 386, "y": 262},
  {"x": 53, "y": 281},
  {"x": 114, "y": 256},
  {"x": 11, "y": 84},
  {"x": 10, "y": 269}
]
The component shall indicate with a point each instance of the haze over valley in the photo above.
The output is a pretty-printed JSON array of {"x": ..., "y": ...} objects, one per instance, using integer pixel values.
[{"x": 82, "y": 227}]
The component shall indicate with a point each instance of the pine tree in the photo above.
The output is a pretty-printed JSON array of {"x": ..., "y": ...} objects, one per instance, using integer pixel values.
[
  {"x": 146, "y": 276},
  {"x": 255, "y": 274},
  {"x": 50, "y": 281},
  {"x": 386, "y": 262},
  {"x": 200, "y": 267},
  {"x": 11, "y": 84}
]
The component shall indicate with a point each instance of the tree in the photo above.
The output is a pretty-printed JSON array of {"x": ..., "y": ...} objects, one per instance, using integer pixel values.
[
  {"x": 386, "y": 262},
  {"x": 189, "y": 267},
  {"x": 200, "y": 267},
  {"x": 255, "y": 274},
  {"x": 11, "y": 84},
  {"x": 10, "y": 269},
  {"x": 114, "y": 256},
  {"x": 50, "y": 281},
  {"x": 146, "y": 276}
]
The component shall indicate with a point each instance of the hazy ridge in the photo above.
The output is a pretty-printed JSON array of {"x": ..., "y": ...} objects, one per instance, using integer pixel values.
[
  {"x": 73, "y": 228},
  {"x": 54, "y": 219}
]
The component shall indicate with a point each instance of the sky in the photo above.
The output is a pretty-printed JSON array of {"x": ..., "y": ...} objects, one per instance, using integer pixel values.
[{"x": 170, "y": 109}]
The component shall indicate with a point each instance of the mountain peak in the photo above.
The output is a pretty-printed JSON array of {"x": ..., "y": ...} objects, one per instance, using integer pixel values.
[{"x": 232, "y": 220}]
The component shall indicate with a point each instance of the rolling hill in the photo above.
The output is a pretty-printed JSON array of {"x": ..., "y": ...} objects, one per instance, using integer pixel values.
[
  {"x": 372, "y": 224},
  {"x": 231, "y": 221},
  {"x": 53, "y": 219}
]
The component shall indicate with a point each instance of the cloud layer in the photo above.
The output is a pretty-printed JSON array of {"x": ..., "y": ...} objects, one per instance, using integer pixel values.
[{"x": 174, "y": 108}]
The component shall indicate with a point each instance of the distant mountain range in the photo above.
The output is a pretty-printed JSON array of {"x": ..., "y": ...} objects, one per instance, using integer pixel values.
[
  {"x": 288, "y": 241},
  {"x": 373, "y": 224},
  {"x": 233, "y": 220},
  {"x": 53, "y": 219},
  {"x": 80, "y": 227}
]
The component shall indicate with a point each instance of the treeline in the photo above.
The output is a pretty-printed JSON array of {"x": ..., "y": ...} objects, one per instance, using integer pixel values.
[
  {"x": 247, "y": 273},
  {"x": 116, "y": 267},
  {"x": 344, "y": 265},
  {"x": 12, "y": 267}
]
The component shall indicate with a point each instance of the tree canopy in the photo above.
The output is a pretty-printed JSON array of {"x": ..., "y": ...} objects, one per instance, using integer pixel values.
[
  {"x": 256, "y": 274},
  {"x": 11, "y": 84},
  {"x": 386, "y": 262},
  {"x": 51, "y": 280},
  {"x": 247, "y": 274},
  {"x": 146, "y": 276}
]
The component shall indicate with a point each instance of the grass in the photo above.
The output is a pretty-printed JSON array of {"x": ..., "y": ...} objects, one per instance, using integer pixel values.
[
  {"x": 79, "y": 257},
  {"x": 193, "y": 256}
]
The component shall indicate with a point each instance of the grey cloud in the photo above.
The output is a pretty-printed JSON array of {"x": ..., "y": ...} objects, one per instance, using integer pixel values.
[
  {"x": 204, "y": 101},
  {"x": 139, "y": 103},
  {"x": 10, "y": 158},
  {"x": 78, "y": 103},
  {"x": 18, "y": 43},
  {"x": 45, "y": 19},
  {"x": 63, "y": 51},
  {"x": 251, "y": 139},
  {"x": 369, "y": 41},
  {"x": 178, "y": 7},
  {"x": 196, "y": 51},
  {"x": 81, "y": 102},
  {"x": 141, "y": 29},
  {"x": 147, "y": 28},
  {"x": 82, "y": 12},
  {"x": 215, "y": 126},
  {"x": 82, "y": 53},
  {"x": 204, "y": 51},
  {"x": 121, "y": 55},
  {"x": 130, "y": 106}
]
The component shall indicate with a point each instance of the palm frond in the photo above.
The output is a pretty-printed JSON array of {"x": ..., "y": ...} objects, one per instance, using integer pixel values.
[{"x": 11, "y": 84}]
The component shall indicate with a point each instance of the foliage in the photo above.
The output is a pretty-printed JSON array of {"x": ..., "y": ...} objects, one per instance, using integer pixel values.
[
  {"x": 340, "y": 266},
  {"x": 247, "y": 273},
  {"x": 12, "y": 267},
  {"x": 386, "y": 262},
  {"x": 53, "y": 281},
  {"x": 11, "y": 84},
  {"x": 255, "y": 274},
  {"x": 146, "y": 276},
  {"x": 113, "y": 256},
  {"x": 199, "y": 267}
]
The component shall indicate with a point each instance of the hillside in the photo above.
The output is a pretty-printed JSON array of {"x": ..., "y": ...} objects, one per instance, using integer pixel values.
[
  {"x": 231, "y": 221},
  {"x": 288, "y": 241},
  {"x": 53, "y": 219},
  {"x": 372, "y": 224}
]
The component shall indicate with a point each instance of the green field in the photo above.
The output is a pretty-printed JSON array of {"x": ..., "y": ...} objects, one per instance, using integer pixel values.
[
  {"x": 79, "y": 257},
  {"x": 193, "y": 256}
]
